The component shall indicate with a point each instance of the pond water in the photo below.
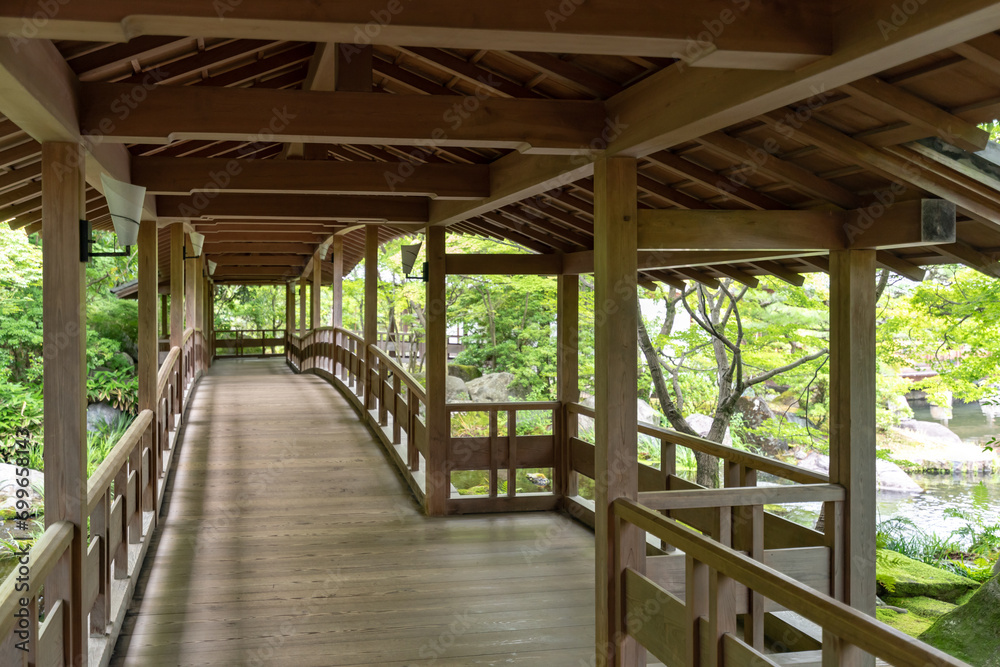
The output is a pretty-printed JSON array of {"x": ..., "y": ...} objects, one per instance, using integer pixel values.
[{"x": 979, "y": 495}]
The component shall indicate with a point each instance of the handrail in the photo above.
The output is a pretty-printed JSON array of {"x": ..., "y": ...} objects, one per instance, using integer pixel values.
[
  {"x": 350, "y": 334},
  {"x": 163, "y": 375},
  {"x": 742, "y": 495},
  {"x": 760, "y": 463},
  {"x": 506, "y": 405},
  {"x": 187, "y": 336},
  {"x": 99, "y": 482},
  {"x": 44, "y": 555},
  {"x": 846, "y": 623},
  {"x": 411, "y": 382}
]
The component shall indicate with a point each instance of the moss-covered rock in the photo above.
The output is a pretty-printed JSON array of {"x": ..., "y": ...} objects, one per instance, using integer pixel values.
[
  {"x": 465, "y": 373},
  {"x": 911, "y": 624},
  {"x": 900, "y": 576},
  {"x": 971, "y": 632},
  {"x": 924, "y": 607}
]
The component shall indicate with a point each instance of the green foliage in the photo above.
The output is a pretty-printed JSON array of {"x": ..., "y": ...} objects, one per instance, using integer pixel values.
[
  {"x": 20, "y": 407},
  {"x": 119, "y": 388},
  {"x": 103, "y": 440}
]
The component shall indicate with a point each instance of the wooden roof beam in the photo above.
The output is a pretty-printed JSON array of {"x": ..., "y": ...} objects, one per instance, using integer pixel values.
[
  {"x": 678, "y": 105},
  {"x": 292, "y": 207},
  {"x": 763, "y": 35},
  {"x": 172, "y": 113},
  {"x": 38, "y": 92},
  {"x": 920, "y": 112},
  {"x": 165, "y": 175},
  {"x": 911, "y": 223}
]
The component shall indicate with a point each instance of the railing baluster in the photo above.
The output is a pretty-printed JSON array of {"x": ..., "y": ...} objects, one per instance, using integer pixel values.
[
  {"x": 397, "y": 396},
  {"x": 511, "y": 452}
]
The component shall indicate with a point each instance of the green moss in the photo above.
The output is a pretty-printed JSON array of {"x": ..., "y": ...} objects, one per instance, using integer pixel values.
[
  {"x": 965, "y": 598},
  {"x": 900, "y": 576},
  {"x": 924, "y": 607},
  {"x": 971, "y": 632},
  {"x": 911, "y": 624},
  {"x": 463, "y": 372}
]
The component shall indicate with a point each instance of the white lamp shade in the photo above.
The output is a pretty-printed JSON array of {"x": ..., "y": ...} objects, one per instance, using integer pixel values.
[
  {"x": 197, "y": 243},
  {"x": 125, "y": 203},
  {"x": 211, "y": 267},
  {"x": 409, "y": 253}
]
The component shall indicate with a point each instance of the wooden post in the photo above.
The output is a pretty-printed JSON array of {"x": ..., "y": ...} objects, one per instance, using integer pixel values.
[
  {"x": 65, "y": 382},
  {"x": 616, "y": 468},
  {"x": 317, "y": 291},
  {"x": 852, "y": 432},
  {"x": 568, "y": 335},
  {"x": 289, "y": 309},
  {"x": 338, "y": 281},
  {"x": 371, "y": 307},
  {"x": 190, "y": 287},
  {"x": 177, "y": 286},
  {"x": 149, "y": 347},
  {"x": 164, "y": 316},
  {"x": 302, "y": 308},
  {"x": 438, "y": 429},
  {"x": 197, "y": 268}
]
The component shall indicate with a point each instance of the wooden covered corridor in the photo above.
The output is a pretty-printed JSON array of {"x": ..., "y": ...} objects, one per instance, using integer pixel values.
[
  {"x": 642, "y": 142},
  {"x": 287, "y": 539}
]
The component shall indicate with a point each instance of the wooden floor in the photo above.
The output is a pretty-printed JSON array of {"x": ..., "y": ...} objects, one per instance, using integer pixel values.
[{"x": 288, "y": 539}]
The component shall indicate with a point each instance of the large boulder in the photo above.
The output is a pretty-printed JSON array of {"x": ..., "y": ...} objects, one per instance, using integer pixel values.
[
  {"x": 493, "y": 388},
  {"x": 901, "y": 576},
  {"x": 465, "y": 373},
  {"x": 889, "y": 477},
  {"x": 932, "y": 431},
  {"x": 755, "y": 411},
  {"x": 456, "y": 390},
  {"x": 99, "y": 414},
  {"x": 8, "y": 491},
  {"x": 971, "y": 632},
  {"x": 702, "y": 424}
]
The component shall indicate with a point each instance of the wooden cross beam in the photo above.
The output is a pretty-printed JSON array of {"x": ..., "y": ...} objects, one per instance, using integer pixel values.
[
  {"x": 277, "y": 206},
  {"x": 763, "y": 35},
  {"x": 906, "y": 224},
  {"x": 175, "y": 176},
  {"x": 160, "y": 114}
]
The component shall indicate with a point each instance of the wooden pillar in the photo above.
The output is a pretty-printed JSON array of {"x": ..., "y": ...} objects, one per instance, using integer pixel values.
[
  {"x": 289, "y": 308},
  {"x": 338, "y": 281},
  {"x": 65, "y": 381},
  {"x": 852, "y": 434},
  {"x": 176, "y": 285},
  {"x": 616, "y": 469},
  {"x": 316, "y": 315},
  {"x": 302, "y": 308},
  {"x": 190, "y": 287},
  {"x": 438, "y": 485},
  {"x": 164, "y": 316},
  {"x": 568, "y": 365},
  {"x": 149, "y": 343},
  {"x": 371, "y": 305}
]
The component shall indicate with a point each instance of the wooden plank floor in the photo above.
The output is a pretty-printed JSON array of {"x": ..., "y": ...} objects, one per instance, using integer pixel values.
[{"x": 288, "y": 539}]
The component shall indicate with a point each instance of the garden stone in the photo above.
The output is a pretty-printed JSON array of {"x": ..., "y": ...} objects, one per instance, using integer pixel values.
[
  {"x": 98, "y": 413},
  {"x": 493, "y": 388},
  {"x": 971, "y": 632},
  {"x": 931, "y": 431},
  {"x": 455, "y": 390},
  {"x": 9, "y": 487},
  {"x": 888, "y": 476},
  {"x": 124, "y": 360},
  {"x": 465, "y": 373},
  {"x": 996, "y": 568},
  {"x": 702, "y": 424},
  {"x": 902, "y": 576},
  {"x": 755, "y": 411}
]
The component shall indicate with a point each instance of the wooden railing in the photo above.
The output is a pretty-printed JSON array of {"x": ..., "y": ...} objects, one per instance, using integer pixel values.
[
  {"x": 123, "y": 499},
  {"x": 503, "y": 449},
  {"x": 249, "y": 342},
  {"x": 702, "y": 629}
]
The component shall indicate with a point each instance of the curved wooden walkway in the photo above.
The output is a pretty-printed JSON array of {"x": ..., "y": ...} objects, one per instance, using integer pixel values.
[{"x": 288, "y": 539}]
